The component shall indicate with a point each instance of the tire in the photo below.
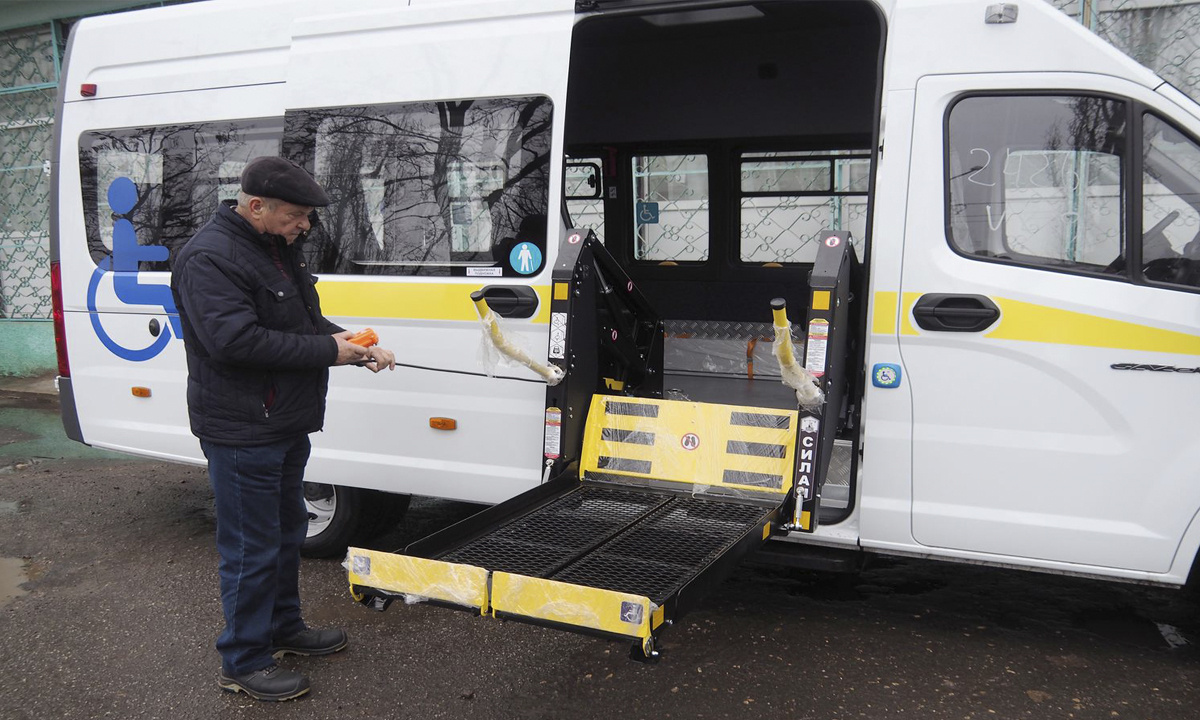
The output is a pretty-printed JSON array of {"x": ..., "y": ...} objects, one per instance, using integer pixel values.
[{"x": 341, "y": 516}]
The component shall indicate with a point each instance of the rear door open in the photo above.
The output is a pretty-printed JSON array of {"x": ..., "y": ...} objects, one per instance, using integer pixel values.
[{"x": 438, "y": 131}]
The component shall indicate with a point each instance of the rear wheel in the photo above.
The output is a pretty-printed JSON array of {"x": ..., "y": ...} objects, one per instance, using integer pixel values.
[{"x": 341, "y": 516}]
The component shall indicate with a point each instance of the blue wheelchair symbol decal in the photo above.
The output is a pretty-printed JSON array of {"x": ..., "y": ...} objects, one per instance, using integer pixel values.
[
  {"x": 525, "y": 258},
  {"x": 123, "y": 266},
  {"x": 886, "y": 375}
]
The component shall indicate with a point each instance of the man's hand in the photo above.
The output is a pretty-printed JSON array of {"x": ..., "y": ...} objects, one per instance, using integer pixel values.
[
  {"x": 348, "y": 352},
  {"x": 378, "y": 359}
]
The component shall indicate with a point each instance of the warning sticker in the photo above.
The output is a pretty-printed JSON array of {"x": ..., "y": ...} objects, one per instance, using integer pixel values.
[
  {"x": 806, "y": 461},
  {"x": 553, "y": 432},
  {"x": 691, "y": 441},
  {"x": 558, "y": 335},
  {"x": 816, "y": 347},
  {"x": 485, "y": 272}
]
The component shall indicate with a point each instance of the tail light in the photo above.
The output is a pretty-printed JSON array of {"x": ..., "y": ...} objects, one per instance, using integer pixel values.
[{"x": 60, "y": 328}]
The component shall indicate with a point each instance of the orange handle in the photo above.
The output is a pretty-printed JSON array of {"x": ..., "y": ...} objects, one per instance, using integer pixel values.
[{"x": 366, "y": 338}]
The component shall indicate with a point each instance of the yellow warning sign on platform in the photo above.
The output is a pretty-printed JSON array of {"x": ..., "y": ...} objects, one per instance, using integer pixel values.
[{"x": 729, "y": 446}]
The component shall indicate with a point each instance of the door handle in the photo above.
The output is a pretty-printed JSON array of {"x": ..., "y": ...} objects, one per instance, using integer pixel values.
[
  {"x": 511, "y": 301},
  {"x": 955, "y": 313}
]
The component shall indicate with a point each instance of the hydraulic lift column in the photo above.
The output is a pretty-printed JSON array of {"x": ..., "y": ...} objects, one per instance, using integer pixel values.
[
  {"x": 825, "y": 357},
  {"x": 604, "y": 336}
]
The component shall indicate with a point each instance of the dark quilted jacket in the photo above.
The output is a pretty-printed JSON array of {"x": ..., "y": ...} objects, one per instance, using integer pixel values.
[{"x": 258, "y": 348}]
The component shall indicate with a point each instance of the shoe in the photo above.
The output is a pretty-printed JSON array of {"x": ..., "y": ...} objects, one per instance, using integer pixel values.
[
  {"x": 272, "y": 683},
  {"x": 311, "y": 642}
]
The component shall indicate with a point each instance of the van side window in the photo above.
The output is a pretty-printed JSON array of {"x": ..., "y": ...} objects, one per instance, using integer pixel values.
[
  {"x": 430, "y": 188},
  {"x": 1170, "y": 204},
  {"x": 583, "y": 187},
  {"x": 670, "y": 208},
  {"x": 180, "y": 173},
  {"x": 787, "y": 199},
  {"x": 1036, "y": 180}
]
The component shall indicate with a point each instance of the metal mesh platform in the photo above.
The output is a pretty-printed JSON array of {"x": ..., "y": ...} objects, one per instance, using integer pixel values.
[
  {"x": 611, "y": 538},
  {"x": 670, "y": 496},
  {"x": 545, "y": 540}
]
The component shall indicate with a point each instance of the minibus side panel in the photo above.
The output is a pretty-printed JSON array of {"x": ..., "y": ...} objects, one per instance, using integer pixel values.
[
  {"x": 886, "y": 488},
  {"x": 474, "y": 83},
  {"x": 1037, "y": 436},
  {"x": 377, "y": 431},
  {"x": 119, "y": 324}
]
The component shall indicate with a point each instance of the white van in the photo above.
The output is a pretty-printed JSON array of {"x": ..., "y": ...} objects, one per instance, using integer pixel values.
[{"x": 1023, "y": 199}]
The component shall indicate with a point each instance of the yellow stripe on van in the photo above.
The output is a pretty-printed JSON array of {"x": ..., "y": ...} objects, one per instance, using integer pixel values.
[
  {"x": 410, "y": 300},
  {"x": 1038, "y": 323},
  {"x": 907, "y": 301},
  {"x": 883, "y": 321}
]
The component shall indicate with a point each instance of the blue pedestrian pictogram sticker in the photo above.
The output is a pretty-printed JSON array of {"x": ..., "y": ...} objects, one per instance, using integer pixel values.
[
  {"x": 885, "y": 375},
  {"x": 122, "y": 267},
  {"x": 647, "y": 213},
  {"x": 525, "y": 258}
]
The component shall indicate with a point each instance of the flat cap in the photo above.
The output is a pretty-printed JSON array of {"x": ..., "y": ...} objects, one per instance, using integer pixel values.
[{"x": 274, "y": 177}]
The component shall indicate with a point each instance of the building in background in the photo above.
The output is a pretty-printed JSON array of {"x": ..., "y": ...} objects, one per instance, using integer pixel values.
[{"x": 1164, "y": 35}]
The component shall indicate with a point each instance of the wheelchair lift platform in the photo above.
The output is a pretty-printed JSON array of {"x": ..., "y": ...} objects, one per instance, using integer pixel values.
[{"x": 669, "y": 497}]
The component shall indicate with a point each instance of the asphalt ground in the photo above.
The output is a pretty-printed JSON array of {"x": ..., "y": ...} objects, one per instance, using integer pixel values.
[{"x": 117, "y": 609}]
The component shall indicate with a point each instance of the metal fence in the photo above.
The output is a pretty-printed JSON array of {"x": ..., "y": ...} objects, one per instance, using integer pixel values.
[
  {"x": 29, "y": 64},
  {"x": 1162, "y": 35}
]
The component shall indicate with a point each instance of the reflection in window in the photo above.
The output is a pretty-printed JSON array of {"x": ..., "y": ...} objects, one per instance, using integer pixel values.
[
  {"x": 430, "y": 188},
  {"x": 1170, "y": 205},
  {"x": 670, "y": 208},
  {"x": 789, "y": 198},
  {"x": 181, "y": 173},
  {"x": 1037, "y": 179}
]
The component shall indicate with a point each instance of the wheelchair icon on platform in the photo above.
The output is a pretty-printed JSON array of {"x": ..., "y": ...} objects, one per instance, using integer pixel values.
[{"x": 123, "y": 266}]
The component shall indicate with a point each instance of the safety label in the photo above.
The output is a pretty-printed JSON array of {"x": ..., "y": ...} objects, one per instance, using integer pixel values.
[
  {"x": 553, "y": 433},
  {"x": 485, "y": 272},
  {"x": 806, "y": 459},
  {"x": 558, "y": 335},
  {"x": 816, "y": 346}
]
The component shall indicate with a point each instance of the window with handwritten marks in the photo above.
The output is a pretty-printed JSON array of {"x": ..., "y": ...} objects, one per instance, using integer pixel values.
[{"x": 1037, "y": 180}]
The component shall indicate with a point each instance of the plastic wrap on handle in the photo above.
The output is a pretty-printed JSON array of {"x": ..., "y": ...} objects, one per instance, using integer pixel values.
[
  {"x": 495, "y": 338},
  {"x": 808, "y": 392}
]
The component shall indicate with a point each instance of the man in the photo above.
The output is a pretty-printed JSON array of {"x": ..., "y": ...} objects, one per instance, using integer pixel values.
[{"x": 258, "y": 352}]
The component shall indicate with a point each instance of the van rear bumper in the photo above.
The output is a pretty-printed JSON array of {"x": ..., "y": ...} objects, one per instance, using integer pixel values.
[{"x": 66, "y": 404}]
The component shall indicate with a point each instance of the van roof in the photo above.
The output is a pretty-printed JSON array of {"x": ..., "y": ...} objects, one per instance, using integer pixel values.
[{"x": 222, "y": 43}]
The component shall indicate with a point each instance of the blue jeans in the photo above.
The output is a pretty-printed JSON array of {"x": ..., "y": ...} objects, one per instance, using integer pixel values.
[{"x": 261, "y": 523}]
